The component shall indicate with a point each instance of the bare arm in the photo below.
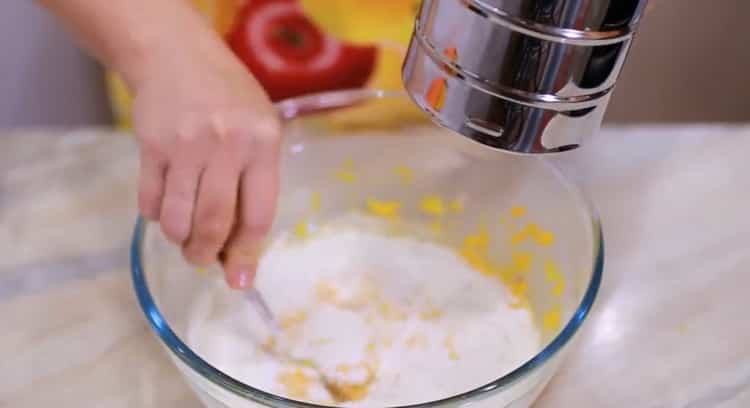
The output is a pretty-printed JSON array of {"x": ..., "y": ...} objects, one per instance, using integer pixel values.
[
  {"x": 208, "y": 134},
  {"x": 129, "y": 35}
]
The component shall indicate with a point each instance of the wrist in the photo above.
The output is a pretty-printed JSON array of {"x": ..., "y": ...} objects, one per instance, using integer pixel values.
[{"x": 168, "y": 47}]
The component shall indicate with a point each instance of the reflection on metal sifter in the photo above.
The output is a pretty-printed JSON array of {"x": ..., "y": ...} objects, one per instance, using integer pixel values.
[{"x": 525, "y": 76}]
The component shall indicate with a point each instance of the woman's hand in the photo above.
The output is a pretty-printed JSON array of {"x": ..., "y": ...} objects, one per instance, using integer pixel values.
[
  {"x": 209, "y": 135},
  {"x": 209, "y": 141}
]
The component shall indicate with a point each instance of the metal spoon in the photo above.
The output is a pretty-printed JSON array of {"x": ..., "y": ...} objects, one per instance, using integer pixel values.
[
  {"x": 261, "y": 307},
  {"x": 256, "y": 299}
]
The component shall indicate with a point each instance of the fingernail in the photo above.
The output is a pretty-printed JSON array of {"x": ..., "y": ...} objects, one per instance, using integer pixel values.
[
  {"x": 245, "y": 280},
  {"x": 241, "y": 278}
]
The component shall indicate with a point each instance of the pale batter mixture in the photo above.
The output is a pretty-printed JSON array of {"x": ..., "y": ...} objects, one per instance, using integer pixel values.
[{"x": 392, "y": 320}]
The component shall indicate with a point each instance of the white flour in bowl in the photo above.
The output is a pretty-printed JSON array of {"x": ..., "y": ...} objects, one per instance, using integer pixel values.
[{"x": 394, "y": 321}]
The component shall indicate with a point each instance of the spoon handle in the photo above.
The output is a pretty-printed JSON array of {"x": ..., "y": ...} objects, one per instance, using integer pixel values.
[{"x": 254, "y": 296}]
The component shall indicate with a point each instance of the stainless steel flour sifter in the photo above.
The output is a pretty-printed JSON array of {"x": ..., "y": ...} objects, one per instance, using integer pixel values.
[{"x": 525, "y": 76}]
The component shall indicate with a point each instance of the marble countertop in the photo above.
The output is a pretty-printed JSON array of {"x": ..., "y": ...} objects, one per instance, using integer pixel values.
[{"x": 670, "y": 327}]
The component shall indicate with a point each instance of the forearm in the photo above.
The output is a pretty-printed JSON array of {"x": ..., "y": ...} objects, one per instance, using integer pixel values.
[{"x": 130, "y": 36}]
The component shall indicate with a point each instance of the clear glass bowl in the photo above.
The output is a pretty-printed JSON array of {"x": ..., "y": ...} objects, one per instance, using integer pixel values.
[{"x": 343, "y": 148}]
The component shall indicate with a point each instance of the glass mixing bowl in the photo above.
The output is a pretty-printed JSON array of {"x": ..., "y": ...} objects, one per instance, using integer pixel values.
[{"x": 343, "y": 149}]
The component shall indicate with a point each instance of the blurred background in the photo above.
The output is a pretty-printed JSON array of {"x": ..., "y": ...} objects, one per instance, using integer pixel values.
[{"x": 689, "y": 64}]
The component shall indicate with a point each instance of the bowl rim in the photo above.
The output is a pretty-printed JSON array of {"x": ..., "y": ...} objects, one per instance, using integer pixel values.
[{"x": 297, "y": 107}]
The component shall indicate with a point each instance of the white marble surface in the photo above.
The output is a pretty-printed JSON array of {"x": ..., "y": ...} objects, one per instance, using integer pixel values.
[{"x": 670, "y": 327}]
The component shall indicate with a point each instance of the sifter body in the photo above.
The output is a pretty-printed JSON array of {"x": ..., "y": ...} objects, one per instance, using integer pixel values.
[{"x": 525, "y": 76}]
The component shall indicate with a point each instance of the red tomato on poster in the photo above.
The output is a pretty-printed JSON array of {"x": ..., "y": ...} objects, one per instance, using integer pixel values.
[{"x": 290, "y": 56}]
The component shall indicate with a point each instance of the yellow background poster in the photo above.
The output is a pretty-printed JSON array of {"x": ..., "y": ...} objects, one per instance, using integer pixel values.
[{"x": 298, "y": 47}]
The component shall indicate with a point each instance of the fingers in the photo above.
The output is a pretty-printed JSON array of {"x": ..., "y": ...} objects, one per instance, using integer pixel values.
[
  {"x": 259, "y": 188},
  {"x": 182, "y": 179},
  {"x": 151, "y": 184},
  {"x": 215, "y": 192},
  {"x": 214, "y": 212}
]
